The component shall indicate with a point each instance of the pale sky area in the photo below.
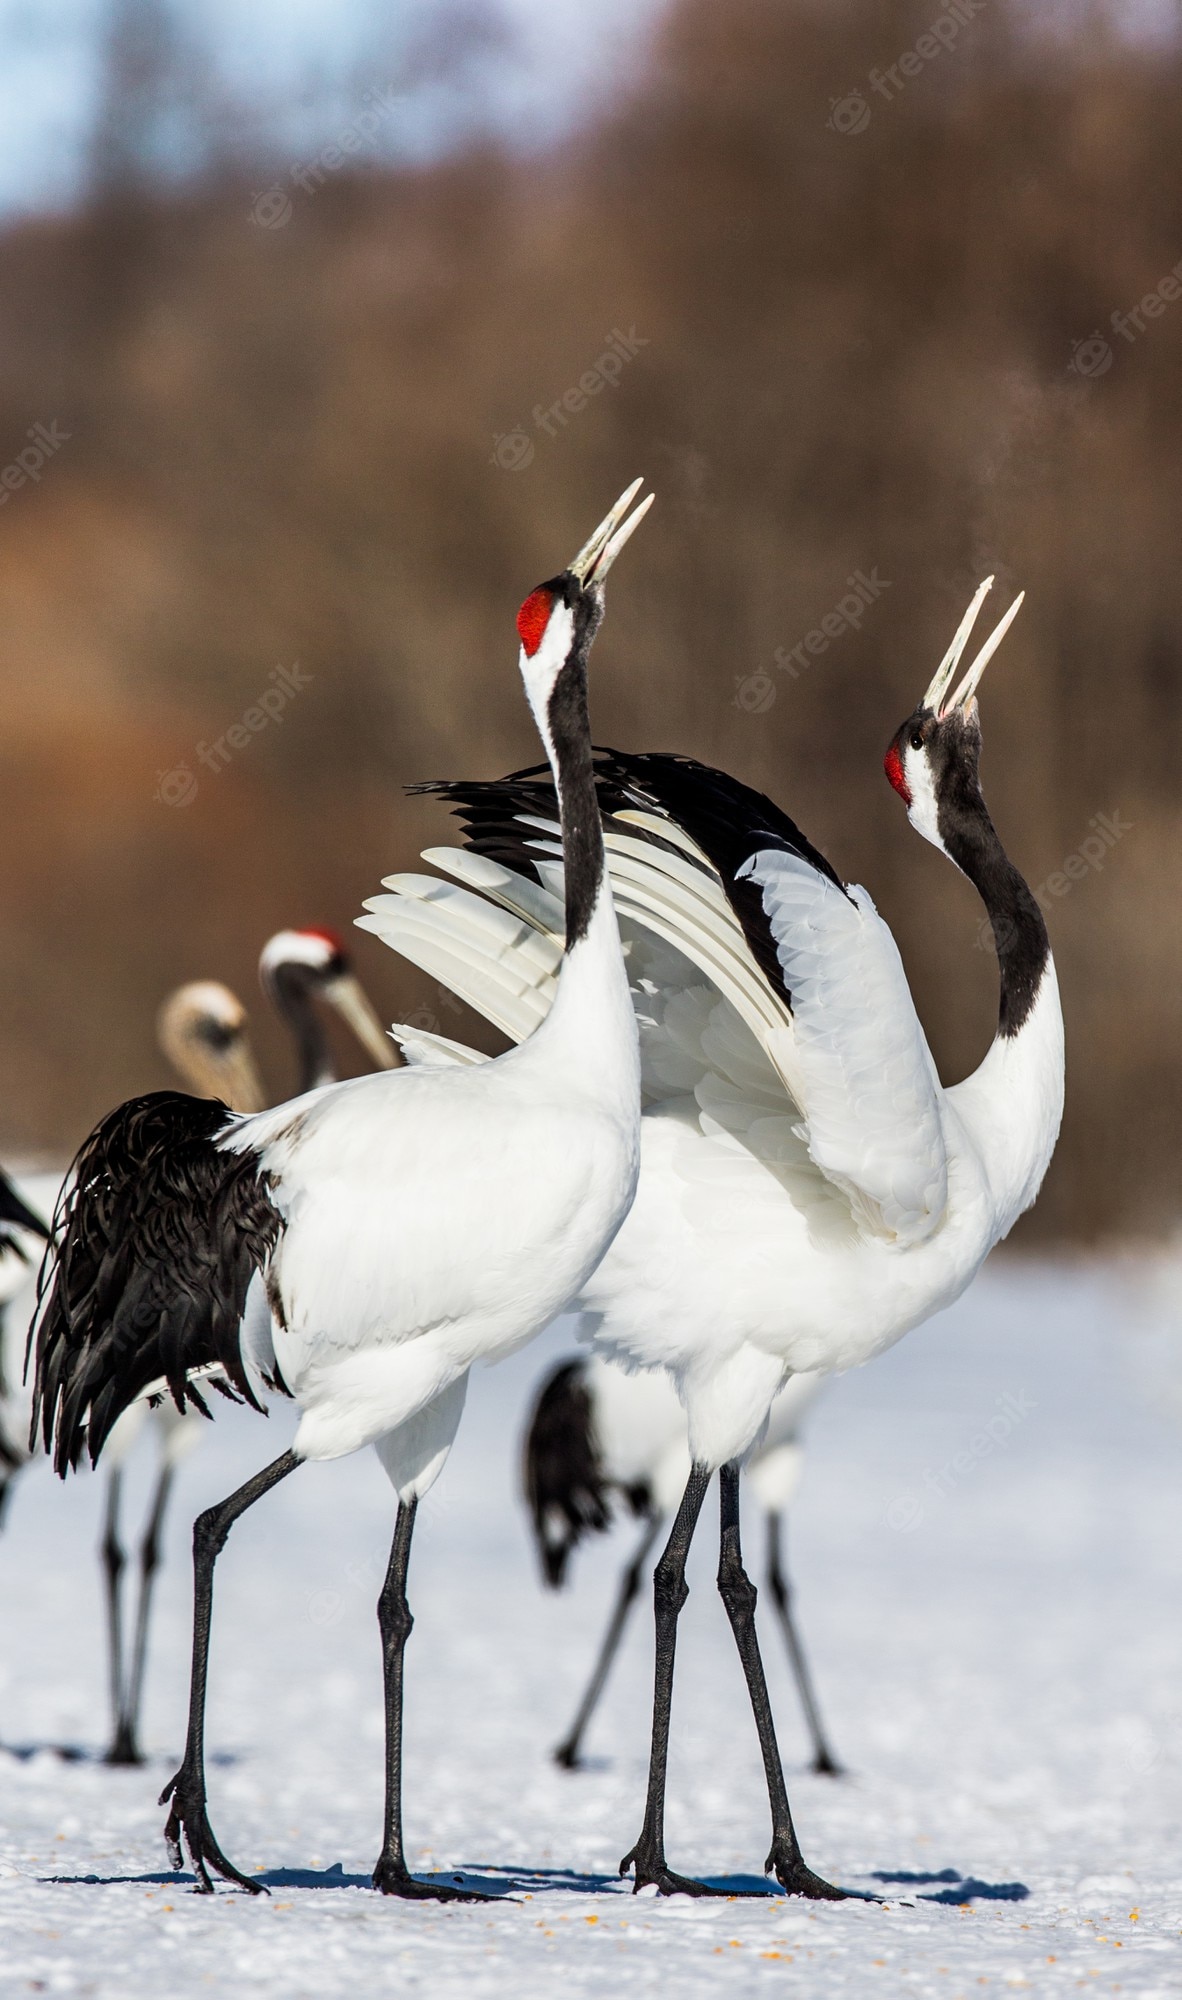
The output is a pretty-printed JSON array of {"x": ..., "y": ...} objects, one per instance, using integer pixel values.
[{"x": 290, "y": 73}]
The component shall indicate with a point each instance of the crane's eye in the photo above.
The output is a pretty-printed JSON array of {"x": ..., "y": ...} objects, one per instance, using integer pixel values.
[{"x": 916, "y": 740}]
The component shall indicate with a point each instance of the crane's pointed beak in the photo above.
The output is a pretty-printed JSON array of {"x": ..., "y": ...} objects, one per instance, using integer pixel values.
[
  {"x": 968, "y": 687},
  {"x": 352, "y": 1003},
  {"x": 942, "y": 678},
  {"x": 596, "y": 556}
]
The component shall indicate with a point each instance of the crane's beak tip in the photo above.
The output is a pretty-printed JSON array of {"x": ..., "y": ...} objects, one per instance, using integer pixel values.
[
  {"x": 937, "y": 697},
  {"x": 598, "y": 554}
]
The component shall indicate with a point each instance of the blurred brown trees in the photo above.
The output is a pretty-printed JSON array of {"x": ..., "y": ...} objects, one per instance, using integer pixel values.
[{"x": 343, "y": 426}]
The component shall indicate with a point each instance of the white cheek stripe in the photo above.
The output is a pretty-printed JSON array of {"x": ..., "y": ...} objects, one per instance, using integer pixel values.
[
  {"x": 540, "y": 671},
  {"x": 923, "y": 811}
]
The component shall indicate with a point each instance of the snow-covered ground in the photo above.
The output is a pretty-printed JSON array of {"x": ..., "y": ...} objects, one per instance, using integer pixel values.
[{"x": 988, "y": 1548}]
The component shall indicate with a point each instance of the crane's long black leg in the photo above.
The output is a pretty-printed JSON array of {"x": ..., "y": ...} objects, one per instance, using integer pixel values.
[
  {"x": 567, "y": 1753},
  {"x": 670, "y": 1591},
  {"x": 129, "y": 1721},
  {"x": 120, "y": 1750},
  {"x": 392, "y": 1876},
  {"x": 738, "y": 1594},
  {"x": 187, "y": 1788},
  {"x": 824, "y": 1762}
]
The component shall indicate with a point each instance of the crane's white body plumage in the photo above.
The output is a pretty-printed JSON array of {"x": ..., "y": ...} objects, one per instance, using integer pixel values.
[
  {"x": 474, "y": 1201},
  {"x": 445, "y": 1184},
  {"x": 639, "y": 1427},
  {"x": 808, "y": 1189}
]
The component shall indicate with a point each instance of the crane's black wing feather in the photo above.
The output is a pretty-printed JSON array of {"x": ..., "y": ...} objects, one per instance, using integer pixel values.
[
  {"x": 728, "y": 820},
  {"x": 156, "y": 1238}
]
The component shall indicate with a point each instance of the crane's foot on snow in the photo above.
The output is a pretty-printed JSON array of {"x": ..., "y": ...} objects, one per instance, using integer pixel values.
[
  {"x": 124, "y": 1750},
  {"x": 793, "y": 1874},
  {"x": 650, "y": 1870},
  {"x": 188, "y": 1817},
  {"x": 567, "y": 1757},
  {"x": 825, "y": 1766},
  {"x": 394, "y": 1878}
]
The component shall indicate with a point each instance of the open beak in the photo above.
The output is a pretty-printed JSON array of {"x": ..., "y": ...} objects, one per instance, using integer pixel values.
[
  {"x": 596, "y": 557},
  {"x": 349, "y": 997},
  {"x": 936, "y": 697}
]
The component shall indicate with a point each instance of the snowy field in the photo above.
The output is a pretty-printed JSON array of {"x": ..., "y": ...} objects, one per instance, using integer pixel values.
[{"x": 994, "y": 1624}]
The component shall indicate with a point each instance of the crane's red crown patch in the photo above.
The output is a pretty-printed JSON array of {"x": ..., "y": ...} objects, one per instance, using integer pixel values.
[
  {"x": 892, "y": 764},
  {"x": 532, "y": 620},
  {"x": 332, "y": 939}
]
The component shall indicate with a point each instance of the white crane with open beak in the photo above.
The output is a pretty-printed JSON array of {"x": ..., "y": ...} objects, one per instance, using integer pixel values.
[{"x": 809, "y": 1188}]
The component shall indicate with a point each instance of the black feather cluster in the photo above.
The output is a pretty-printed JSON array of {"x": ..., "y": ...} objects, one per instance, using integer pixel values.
[
  {"x": 728, "y": 820},
  {"x": 157, "y": 1236},
  {"x": 565, "y": 1487}
]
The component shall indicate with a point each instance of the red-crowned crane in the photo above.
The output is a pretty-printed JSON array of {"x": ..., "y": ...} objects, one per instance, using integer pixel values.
[
  {"x": 202, "y": 1029},
  {"x": 599, "y": 1435},
  {"x": 809, "y": 1189},
  {"x": 364, "y": 1245}
]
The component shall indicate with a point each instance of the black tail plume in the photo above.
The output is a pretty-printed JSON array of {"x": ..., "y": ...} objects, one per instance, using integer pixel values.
[{"x": 565, "y": 1488}]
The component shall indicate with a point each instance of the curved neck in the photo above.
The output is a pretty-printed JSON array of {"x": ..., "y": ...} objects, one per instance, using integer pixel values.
[
  {"x": 293, "y": 1000},
  {"x": 1019, "y": 933},
  {"x": 567, "y": 736},
  {"x": 1012, "y": 1104},
  {"x": 592, "y": 1020}
]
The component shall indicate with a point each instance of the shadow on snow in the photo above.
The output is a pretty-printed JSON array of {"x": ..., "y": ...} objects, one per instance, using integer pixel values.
[{"x": 961, "y": 1889}]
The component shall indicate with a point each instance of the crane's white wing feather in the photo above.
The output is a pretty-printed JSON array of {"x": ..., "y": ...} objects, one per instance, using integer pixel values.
[
  {"x": 862, "y": 1071},
  {"x": 838, "y": 1098}
]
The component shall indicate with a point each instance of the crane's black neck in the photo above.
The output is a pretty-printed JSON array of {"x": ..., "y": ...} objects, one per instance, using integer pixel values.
[
  {"x": 582, "y": 829},
  {"x": 1019, "y": 933},
  {"x": 294, "y": 988}
]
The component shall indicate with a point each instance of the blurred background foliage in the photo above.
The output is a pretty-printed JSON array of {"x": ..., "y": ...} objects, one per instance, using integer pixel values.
[{"x": 302, "y": 429}]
